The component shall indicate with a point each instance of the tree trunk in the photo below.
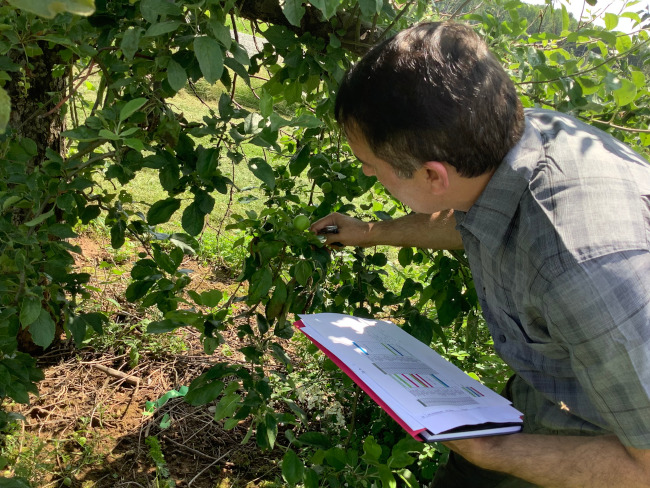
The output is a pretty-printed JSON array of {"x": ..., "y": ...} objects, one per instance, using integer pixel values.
[{"x": 34, "y": 92}]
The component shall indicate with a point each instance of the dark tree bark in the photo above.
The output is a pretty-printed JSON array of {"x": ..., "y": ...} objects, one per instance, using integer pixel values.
[
  {"x": 358, "y": 37},
  {"x": 33, "y": 97}
]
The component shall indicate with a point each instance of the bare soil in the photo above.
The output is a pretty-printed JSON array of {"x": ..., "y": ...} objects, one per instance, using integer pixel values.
[{"x": 88, "y": 427}]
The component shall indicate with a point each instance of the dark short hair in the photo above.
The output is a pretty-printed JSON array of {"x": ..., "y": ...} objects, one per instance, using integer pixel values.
[{"x": 433, "y": 92}]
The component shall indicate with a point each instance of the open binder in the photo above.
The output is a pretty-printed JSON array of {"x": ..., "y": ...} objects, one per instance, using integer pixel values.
[{"x": 429, "y": 397}]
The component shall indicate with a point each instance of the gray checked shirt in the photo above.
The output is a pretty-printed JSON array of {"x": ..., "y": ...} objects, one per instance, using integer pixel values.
[{"x": 558, "y": 244}]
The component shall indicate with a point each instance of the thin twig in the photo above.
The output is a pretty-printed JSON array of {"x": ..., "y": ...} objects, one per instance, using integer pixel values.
[
  {"x": 194, "y": 451},
  {"x": 132, "y": 380},
  {"x": 73, "y": 91},
  {"x": 397, "y": 17},
  {"x": 205, "y": 469}
]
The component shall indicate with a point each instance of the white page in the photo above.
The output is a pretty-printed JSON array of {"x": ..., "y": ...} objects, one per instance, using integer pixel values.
[{"x": 420, "y": 386}]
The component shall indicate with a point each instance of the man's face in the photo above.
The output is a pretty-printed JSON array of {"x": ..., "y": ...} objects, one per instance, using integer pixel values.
[{"x": 413, "y": 192}]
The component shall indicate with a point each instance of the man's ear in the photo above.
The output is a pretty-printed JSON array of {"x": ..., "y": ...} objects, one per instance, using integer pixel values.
[{"x": 438, "y": 176}]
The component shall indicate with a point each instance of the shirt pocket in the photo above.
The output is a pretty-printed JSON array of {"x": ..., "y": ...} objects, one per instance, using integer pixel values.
[{"x": 535, "y": 336}]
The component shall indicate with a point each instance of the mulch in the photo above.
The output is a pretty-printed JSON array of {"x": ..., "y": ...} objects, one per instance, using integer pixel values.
[{"x": 89, "y": 423}]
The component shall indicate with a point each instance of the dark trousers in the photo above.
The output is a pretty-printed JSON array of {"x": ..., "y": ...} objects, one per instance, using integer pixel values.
[{"x": 458, "y": 472}]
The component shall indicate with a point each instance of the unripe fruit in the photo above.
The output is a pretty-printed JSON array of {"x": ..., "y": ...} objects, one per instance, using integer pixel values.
[
  {"x": 326, "y": 187},
  {"x": 301, "y": 222}
]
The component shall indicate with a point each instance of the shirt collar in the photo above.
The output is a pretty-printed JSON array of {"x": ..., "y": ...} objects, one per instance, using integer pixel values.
[{"x": 490, "y": 217}]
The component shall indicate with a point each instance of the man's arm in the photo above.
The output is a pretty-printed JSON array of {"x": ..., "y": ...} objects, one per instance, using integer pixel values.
[
  {"x": 437, "y": 231},
  {"x": 560, "y": 461}
]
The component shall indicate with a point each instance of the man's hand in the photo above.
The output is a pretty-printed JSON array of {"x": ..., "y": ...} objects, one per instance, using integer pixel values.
[{"x": 351, "y": 231}]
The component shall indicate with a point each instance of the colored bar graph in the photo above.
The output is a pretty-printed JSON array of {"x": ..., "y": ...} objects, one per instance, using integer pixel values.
[{"x": 440, "y": 381}]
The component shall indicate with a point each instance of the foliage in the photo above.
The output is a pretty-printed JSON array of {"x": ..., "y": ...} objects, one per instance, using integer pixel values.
[{"x": 57, "y": 149}]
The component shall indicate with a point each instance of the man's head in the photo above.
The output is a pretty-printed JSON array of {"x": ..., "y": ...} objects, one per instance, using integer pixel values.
[{"x": 434, "y": 92}]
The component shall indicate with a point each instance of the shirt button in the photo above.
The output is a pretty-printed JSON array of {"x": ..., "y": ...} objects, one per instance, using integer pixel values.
[{"x": 502, "y": 338}]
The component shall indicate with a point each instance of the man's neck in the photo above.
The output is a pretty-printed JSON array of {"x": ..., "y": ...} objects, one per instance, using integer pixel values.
[{"x": 466, "y": 191}]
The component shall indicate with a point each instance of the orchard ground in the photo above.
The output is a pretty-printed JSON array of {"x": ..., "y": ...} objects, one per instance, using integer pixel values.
[{"x": 88, "y": 428}]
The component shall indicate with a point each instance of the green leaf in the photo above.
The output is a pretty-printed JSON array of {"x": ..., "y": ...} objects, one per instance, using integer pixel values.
[
  {"x": 130, "y": 42},
  {"x": 623, "y": 43},
  {"x": 422, "y": 328},
  {"x": 260, "y": 284},
  {"x": 238, "y": 68},
  {"x": 133, "y": 143},
  {"x": 410, "y": 480},
  {"x": 266, "y": 104},
  {"x": 91, "y": 212},
  {"x": 107, "y": 134},
  {"x": 162, "y": 28},
  {"x": 176, "y": 75},
  {"x": 221, "y": 32},
  {"x": 118, "y": 234},
  {"x": 565, "y": 19},
  {"x": 303, "y": 271},
  {"x": 163, "y": 260},
  {"x": 163, "y": 326},
  {"x": 5, "y": 110},
  {"x": 211, "y": 298},
  {"x": 207, "y": 163},
  {"x": 40, "y": 218},
  {"x": 386, "y": 476},
  {"x": 202, "y": 392},
  {"x": 312, "y": 478},
  {"x": 611, "y": 21},
  {"x": 227, "y": 406},
  {"x": 327, "y": 7},
  {"x": 96, "y": 320},
  {"x": 193, "y": 219},
  {"x": 262, "y": 170},
  {"x": 292, "y": 468},
  {"x": 300, "y": 160},
  {"x": 400, "y": 460},
  {"x": 30, "y": 310},
  {"x": 51, "y": 8},
  {"x": 293, "y": 11},
  {"x": 307, "y": 121},
  {"x": 187, "y": 243},
  {"x": 370, "y": 7},
  {"x": 269, "y": 431},
  {"x": 626, "y": 93},
  {"x": 136, "y": 290},
  {"x": 77, "y": 328},
  {"x": 42, "y": 329},
  {"x": 405, "y": 256},
  {"x": 161, "y": 211},
  {"x": 131, "y": 107},
  {"x": 336, "y": 457},
  {"x": 277, "y": 301},
  {"x": 371, "y": 450},
  {"x": 208, "y": 53},
  {"x": 315, "y": 439}
]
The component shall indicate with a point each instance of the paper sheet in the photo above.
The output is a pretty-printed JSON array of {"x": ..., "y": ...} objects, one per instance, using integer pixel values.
[{"x": 423, "y": 389}]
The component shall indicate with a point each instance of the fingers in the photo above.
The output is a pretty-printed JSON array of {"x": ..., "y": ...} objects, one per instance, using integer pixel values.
[
  {"x": 339, "y": 230},
  {"x": 319, "y": 225}
]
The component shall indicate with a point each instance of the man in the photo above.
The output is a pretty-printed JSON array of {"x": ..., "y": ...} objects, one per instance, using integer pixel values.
[{"x": 554, "y": 216}]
